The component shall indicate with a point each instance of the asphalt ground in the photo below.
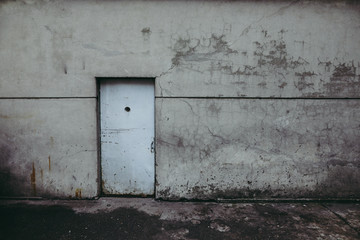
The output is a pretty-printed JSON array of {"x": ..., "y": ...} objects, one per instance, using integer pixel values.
[{"x": 145, "y": 218}]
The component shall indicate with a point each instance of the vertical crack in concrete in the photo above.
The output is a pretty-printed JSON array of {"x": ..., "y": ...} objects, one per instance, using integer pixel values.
[
  {"x": 159, "y": 80},
  {"x": 161, "y": 89}
]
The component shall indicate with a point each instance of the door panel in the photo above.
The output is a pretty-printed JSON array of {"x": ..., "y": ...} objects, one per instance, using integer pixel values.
[{"x": 127, "y": 135}]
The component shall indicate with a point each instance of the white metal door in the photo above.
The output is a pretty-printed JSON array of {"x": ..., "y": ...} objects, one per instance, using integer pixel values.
[{"x": 127, "y": 136}]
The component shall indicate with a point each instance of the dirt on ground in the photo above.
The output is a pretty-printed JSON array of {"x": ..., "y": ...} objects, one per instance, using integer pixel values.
[{"x": 150, "y": 219}]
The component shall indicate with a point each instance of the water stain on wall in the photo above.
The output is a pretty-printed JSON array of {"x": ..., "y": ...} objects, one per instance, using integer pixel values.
[
  {"x": 12, "y": 182},
  {"x": 33, "y": 180}
]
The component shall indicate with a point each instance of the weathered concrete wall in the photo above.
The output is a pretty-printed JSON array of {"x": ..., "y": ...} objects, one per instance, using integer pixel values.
[
  {"x": 195, "y": 48},
  {"x": 209, "y": 49},
  {"x": 48, "y": 147},
  {"x": 257, "y": 148}
]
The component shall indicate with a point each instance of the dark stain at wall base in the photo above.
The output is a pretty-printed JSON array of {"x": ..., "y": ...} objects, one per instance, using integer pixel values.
[
  {"x": 11, "y": 183},
  {"x": 343, "y": 182},
  {"x": 33, "y": 180},
  {"x": 203, "y": 193}
]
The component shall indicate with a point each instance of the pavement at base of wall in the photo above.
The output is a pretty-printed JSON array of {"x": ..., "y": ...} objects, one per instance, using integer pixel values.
[{"x": 145, "y": 218}]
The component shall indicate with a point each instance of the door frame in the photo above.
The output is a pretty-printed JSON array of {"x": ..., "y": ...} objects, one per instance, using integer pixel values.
[{"x": 100, "y": 192}]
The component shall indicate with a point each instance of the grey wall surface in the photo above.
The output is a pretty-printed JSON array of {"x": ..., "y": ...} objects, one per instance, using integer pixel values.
[
  {"x": 257, "y": 148},
  {"x": 253, "y": 98},
  {"x": 47, "y": 147}
]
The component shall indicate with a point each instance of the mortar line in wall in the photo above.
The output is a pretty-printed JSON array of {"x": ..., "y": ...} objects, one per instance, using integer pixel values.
[
  {"x": 259, "y": 98},
  {"x": 38, "y": 98}
]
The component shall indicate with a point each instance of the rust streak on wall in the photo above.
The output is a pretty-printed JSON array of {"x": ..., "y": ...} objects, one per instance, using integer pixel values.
[
  {"x": 49, "y": 158},
  {"x": 78, "y": 193}
]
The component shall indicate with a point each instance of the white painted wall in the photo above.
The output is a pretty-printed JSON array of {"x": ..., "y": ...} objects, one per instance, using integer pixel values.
[{"x": 207, "y": 49}]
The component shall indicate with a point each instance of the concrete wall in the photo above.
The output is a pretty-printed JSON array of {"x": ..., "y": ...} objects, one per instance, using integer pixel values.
[
  {"x": 251, "y": 97},
  {"x": 257, "y": 148}
]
